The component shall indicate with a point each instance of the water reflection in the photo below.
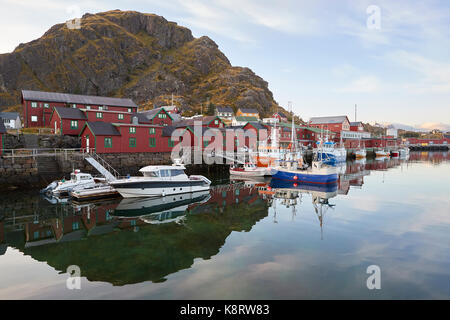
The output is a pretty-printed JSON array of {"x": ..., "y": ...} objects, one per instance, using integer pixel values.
[{"x": 130, "y": 241}]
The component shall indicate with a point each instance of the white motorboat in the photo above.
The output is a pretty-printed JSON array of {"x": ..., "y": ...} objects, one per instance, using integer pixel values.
[
  {"x": 160, "y": 181},
  {"x": 78, "y": 180}
]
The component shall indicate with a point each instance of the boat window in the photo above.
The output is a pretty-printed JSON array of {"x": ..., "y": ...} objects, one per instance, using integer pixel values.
[
  {"x": 165, "y": 173},
  {"x": 151, "y": 174},
  {"x": 73, "y": 177},
  {"x": 177, "y": 172}
]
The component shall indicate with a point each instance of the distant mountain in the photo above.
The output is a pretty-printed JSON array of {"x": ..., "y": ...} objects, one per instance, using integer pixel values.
[
  {"x": 397, "y": 126},
  {"x": 130, "y": 54}
]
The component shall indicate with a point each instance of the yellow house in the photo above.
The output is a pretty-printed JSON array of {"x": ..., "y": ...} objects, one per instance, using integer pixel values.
[{"x": 247, "y": 112}]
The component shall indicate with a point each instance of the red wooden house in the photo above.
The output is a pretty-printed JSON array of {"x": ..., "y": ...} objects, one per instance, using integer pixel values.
[
  {"x": 356, "y": 126},
  {"x": 38, "y": 106},
  {"x": 67, "y": 121},
  {"x": 103, "y": 137},
  {"x": 108, "y": 116},
  {"x": 158, "y": 116},
  {"x": 335, "y": 124}
]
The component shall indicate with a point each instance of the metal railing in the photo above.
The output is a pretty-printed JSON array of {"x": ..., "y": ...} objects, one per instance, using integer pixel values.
[
  {"x": 42, "y": 152},
  {"x": 103, "y": 163}
]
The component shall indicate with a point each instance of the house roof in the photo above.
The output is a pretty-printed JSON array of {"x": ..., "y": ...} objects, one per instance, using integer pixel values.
[
  {"x": 249, "y": 110},
  {"x": 70, "y": 113},
  {"x": 224, "y": 109},
  {"x": 103, "y": 128},
  {"x": 142, "y": 118},
  {"x": 356, "y": 123},
  {"x": 280, "y": 114},
  {"x": 9, "y": 115},
  {"x": 246, "y": 119},
  {"x": 2, "y": 127},
  {"x": 334, "y": 119},
  {"x": 76, "y": 98},
  {"x": 150, "y": 114},
  {"x": 257, "y": 125}
]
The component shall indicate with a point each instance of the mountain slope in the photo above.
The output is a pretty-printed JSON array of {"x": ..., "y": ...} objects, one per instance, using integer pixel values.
[{"x": 131, "y": 54}]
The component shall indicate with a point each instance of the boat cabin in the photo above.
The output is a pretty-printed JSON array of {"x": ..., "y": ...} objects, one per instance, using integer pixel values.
[
  {"x": 163, "y": 171},
  {"x": 78, "y": 176}
]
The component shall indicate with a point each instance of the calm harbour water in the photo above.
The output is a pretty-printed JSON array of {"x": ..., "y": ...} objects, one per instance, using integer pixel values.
[{"x": 245, "y": 240}]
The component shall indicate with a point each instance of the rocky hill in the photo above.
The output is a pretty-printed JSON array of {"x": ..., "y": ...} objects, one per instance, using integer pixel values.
[{"x": 131, "y": 54}]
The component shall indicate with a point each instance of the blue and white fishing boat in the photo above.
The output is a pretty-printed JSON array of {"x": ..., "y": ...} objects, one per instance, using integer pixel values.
[
  {"x": 294, "y": 168},
  {"x": 329, "y": 153},
  {"x": 318, "y": 173}
]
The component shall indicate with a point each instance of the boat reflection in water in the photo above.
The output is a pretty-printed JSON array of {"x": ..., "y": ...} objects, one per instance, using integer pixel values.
[
  {"x": 159, "y": 210},
  {"x": 290, "y": 195}
]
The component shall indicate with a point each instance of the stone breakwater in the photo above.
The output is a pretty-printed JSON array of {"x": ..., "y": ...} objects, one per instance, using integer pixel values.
[{"x": 37, "y": 172}]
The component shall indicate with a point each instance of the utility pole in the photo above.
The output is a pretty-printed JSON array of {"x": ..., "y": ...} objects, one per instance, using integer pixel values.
[{"x": 355, "y": 111}]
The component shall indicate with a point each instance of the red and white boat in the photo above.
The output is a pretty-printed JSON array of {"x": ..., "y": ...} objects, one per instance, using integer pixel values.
[
  {"x": 395, "y": 153},
  {"x": 250, "y": 170}
]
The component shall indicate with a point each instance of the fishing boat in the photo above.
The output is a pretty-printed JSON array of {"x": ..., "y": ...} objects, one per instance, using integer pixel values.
[
  {"x": 78, "y": 180},
  {"x": 329, "y": 153},
  {"x": 250, "y": 170},
  {"x": 403, "y": 152},
  {"x": 318, "y": 173},
  {"x": 382, "y": 153},
  {"x": 360, "y": 153},
  {"x": 160, "y": 181},
  {"x": 395, "y": 153}
]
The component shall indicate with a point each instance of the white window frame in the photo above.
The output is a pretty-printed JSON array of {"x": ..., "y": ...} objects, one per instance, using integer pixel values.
[{"x": 35, "y": 119}]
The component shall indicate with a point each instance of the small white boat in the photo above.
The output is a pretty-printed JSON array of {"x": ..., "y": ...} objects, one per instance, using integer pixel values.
[
  {"x": 250, "y": 170},
  {"x": 360, "y": 153},
  {"x": 160, "y": 181},
  {"x": 78, "y": 180},
  {"x": 381, "y": 153},
  {"x": 403, "y": 152}
]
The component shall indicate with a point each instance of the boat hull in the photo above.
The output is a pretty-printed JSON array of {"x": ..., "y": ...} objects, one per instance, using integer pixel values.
[
  {"x": 135, "y": 189},
  {"x": 306, "y": 176}
]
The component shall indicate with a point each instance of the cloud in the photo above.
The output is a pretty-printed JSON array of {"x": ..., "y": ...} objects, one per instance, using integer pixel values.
[
  {"x": 434, "y": 75},
  {"x": 364, "y": 84}
]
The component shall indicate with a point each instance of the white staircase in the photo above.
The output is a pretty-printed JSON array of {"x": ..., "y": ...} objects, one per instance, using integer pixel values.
[{"x": 98, "y": 163}]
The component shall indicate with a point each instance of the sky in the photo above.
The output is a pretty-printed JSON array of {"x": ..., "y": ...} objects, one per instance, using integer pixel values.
[{"x": 390, "y": 58}]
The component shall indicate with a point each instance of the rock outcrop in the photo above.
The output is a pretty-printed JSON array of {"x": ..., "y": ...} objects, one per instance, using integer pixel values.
[{"x": 135, "y": 55}]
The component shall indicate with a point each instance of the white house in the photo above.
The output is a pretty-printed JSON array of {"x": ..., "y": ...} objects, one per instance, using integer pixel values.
[
  {"x": 11, "y": 120},
  {"x": 224, "y": 113}
]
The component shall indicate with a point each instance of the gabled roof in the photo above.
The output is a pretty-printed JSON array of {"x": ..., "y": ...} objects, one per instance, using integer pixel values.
[
  {"x": 76, "y": 98},
  {"x": 356, "y": 123},
  {"x": 151, "y": 114},
  {"x": 335, "y": 119},
  {"x": 280, "y": 114},
  {"x": 257, "y": 125},
  {"x": 224, "y": 109},
  {"x": 9, "y": 115},
  {"x": 70, "y": 113},
  {"x": 2, "y": 127},
  {"x": 248, "y": 110},
  {"x": 103, "y": 128},
  {"x": 209, "y": 119}
]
